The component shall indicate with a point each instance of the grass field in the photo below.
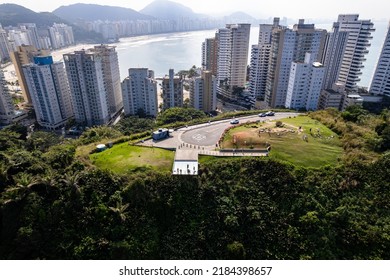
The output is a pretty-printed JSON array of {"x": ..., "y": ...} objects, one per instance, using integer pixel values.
[
  {"x": 124, "y": 158},
  {"x": 301, "y": 141}
]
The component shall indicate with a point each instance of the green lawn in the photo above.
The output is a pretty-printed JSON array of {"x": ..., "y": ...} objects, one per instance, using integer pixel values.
[
  {"x": 124, "y": 158},
  {"x": 321, "y": 148}
]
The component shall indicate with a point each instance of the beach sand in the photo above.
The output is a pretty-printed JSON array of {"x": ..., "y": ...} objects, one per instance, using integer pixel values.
[{"x": 9, "y": 70}]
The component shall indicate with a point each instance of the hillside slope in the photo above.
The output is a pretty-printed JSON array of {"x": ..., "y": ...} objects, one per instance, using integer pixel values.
[{"x": 91, "y": 12}]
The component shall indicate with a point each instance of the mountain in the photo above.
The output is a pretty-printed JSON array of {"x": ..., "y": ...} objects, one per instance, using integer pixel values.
[
  {"x": 90, "y": 12},
  {"x": 12, "y": 14},
  {"x": 241, "y": 17},
  {"x": 164, "y": 9}
]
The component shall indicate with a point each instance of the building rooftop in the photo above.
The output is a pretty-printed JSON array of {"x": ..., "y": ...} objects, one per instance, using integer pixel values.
[
  {"x": 318, "y": 64},
  {"x": 354, "y": 96}
]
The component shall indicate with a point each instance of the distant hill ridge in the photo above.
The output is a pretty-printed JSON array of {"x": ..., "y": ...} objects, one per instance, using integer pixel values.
[
  {"x": 164, "y": 9},
  {"x": 91, "y": 12},
  {"x": 12, "y": 15}
]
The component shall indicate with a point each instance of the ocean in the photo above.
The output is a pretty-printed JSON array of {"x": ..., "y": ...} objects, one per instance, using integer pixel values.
[{"x": 181, "y": 51}]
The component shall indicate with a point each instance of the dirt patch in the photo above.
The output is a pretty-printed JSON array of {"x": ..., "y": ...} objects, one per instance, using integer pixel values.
[{"x": 243, "y": 134}]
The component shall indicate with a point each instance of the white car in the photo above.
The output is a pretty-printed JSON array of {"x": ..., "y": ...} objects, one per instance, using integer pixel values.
[
  {"x": 270, "y": 113},
  {"x": 235, "y": 121}
]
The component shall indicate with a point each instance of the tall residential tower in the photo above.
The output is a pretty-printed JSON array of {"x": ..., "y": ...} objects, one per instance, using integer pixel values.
[
  {"x": 94, "y": 81},
  {"x": 288, "y": 46},
  {"x": 25, "y": 55},
  {"x": 209, "y": 55},
  {"x": 203, "y": 92},
  {"x": 260, "y": 58},
  {"x": 6, "y": 105},
  {"x": 86, "y": 80},
  {"x": 139, "y": 91},
  {"x": 233, "y": 48},
  {"x": 111, "y": 76},
  {"x": 4, "y": 45},
  {"x": 172, "y": 91},
  {"x": 305, "y": 84},
  {"x": 346, "y": 50},
  {"x": 380, "y": 84},
  {"x": 50, "y": 92}
]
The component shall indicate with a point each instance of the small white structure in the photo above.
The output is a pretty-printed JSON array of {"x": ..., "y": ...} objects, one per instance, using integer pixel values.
[
  {"x": 185, "y": 167},
  {"x": 101, "y": 147}
]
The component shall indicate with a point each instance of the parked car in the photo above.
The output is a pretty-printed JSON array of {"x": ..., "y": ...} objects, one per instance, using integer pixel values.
[
  {"x": 235, "y": 121},
  {"x": 261, "y": 115}
]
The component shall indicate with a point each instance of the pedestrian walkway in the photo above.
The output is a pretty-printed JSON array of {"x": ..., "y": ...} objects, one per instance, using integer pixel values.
[
  {"x": 238, "y": 153},
  {"x": 186, "y": 157},
  {"x": 186, "y": 161}
]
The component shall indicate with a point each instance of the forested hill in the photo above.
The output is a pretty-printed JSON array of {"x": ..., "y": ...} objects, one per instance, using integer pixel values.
[
  {"x": 163, "y": 9},
  {"x": 91, "y": 12},
  {"x": 11, "y": 14},
  {"x": 55, "y": 205}
]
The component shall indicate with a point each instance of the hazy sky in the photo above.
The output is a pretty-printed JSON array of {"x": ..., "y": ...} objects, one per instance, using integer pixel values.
[{"x": 368, "y": 9}]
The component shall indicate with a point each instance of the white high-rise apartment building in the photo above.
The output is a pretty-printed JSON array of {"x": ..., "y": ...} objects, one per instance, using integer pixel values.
[
  {"x": 111, "y": 75},
  {"x": 4, "y": 45},
  {"x": 172, "y": 87},
  {"x": 50, "y": 92},
  {"x": 380, "y": 84},
  {"x": 86, "y": 80},
  {"x": 288, "y": 46},
  {"x": 61, "y": 35},
  {"x": 233, "y": 48},
  {"x": 32, "y": 33},
  {"x": 355, "y": 49},
  {"x": 260, "y": 58},
  {"x": 336, "y": 42},
  {"x": 305, "y": 84},
  {"x": 6, "y": 105},
  {"x": 18, "y": 38},
  {"x": 139, "y": 91},
  {"x": 203, "y": 92}
]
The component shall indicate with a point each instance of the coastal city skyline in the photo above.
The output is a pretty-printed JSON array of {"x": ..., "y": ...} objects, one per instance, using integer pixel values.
[
  {"x": 378, "y": 9},
  {"x": 261, "y": 134},
  {"x": 289, "y": 67}
]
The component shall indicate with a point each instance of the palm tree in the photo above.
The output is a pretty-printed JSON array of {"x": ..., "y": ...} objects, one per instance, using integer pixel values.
[
  {"x": 24, "y": 184},
  {"x": 3, "y": 175},
  {"x": 72, "y": 181},
  {"x": 48, "y": 180},
  {"x": 120, "y": 209}
]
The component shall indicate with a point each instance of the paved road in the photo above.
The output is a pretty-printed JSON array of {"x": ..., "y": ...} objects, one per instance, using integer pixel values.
[
  {"x": 209, "y": 134},
  {"x": 205, "y": 135},
  {"x": 191, "y": 141}
]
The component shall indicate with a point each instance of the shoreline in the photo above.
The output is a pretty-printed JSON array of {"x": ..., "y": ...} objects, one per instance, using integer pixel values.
[
  {"x": 58, "y": 54},
  {"x": 9, "y": 70}
]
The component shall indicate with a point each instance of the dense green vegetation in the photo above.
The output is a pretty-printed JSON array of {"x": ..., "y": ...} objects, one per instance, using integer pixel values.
[
  {"x": 360, "y": 133},
  {"x": 178, "y": 114},
  {"x": 55, "y": 205},
  {"x": 132, "y": 125}
]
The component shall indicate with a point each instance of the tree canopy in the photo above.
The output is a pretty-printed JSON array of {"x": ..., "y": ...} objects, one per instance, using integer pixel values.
[
  {"x": 178, "y": 114},
  {"x": 55, "y": 206}
]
